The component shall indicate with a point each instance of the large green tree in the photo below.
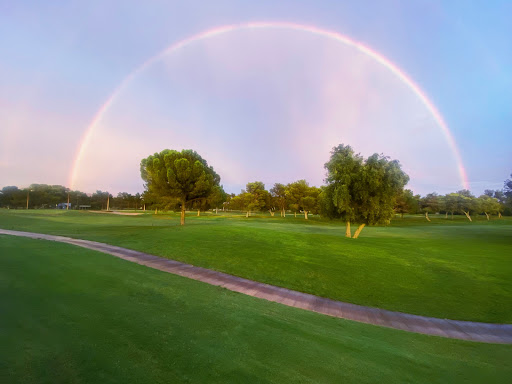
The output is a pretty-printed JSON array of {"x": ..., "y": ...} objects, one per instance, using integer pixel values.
[
  {"x": 184, "y": 176},
  {"x": 302, "y": 197},
  {"x": 359, "y": 190},
  {"x": 255, "y": 197}
]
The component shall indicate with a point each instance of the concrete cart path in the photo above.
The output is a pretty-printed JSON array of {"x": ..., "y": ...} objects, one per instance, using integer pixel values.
[{"x": 455, "y": 329}]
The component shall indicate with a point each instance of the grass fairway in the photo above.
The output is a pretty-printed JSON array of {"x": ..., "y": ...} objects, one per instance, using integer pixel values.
[
  {"x": 447, "y": 269},
  {"x": 71, "y": 315}
]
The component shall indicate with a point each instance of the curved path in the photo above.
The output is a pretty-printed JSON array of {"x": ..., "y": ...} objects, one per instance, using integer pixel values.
[{"x": 455, "y": 329}]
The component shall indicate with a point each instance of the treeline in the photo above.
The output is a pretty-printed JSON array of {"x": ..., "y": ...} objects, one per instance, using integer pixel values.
[
  {"x": 43, "y": 196},
  {"x": 463, "y": 202},
  {"x": 296, "y": 197},
  {"x": 293, "y": 198}
]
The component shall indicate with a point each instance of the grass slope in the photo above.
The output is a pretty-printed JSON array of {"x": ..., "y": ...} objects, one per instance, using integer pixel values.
[
  {"x": 447, "y": 269},
  {"x": 71, "y": 315}
]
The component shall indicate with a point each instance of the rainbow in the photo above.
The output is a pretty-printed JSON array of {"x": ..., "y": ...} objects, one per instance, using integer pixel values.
[{"x": 270, "y": 25}]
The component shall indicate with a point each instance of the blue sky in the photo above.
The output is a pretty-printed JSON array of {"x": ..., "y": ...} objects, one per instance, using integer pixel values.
[{"x": 60, "y": 61}]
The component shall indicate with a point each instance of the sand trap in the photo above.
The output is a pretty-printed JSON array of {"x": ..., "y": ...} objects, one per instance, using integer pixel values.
[{"x": 119, "y": 213}]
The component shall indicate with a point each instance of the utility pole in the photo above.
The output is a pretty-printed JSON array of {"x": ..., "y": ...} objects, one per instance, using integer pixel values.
[
  {"x": 108, "y": 201},
  {"x": 67, "y": 206}
]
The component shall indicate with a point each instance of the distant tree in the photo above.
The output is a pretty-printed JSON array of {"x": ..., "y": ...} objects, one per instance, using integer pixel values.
[
  {"x": 430, "y": 204},
  {"x": 465, "y": 193},
  {"x": 489, "y": 205},
  {"x": 12, "y": 197},
  {"x": 100, "y": 200},
  {"x": 507, "y": 189},
  {"x": 278, "y": 194},
  {"x": 507, "y": 195},
  {"x": 467, "y": 204},
  {"x": 302, "y": 197},
  {"x": 406, "y": 202},
  {"x": 451, "y": 203},
  {"x": 255, "y": 197},
  {"x": 184, "y": 176},
  {"x": 217, "y": 198},
  {"x": 359, "y": 190}
]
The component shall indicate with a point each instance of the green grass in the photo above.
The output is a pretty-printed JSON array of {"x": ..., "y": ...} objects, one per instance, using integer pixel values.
[
  {"x": 447, "y": 269},
  {"x": 71, "y": 315}
]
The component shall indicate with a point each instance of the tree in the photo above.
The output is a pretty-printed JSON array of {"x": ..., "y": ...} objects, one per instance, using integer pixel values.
[
  {"x": 12, "y": 197},
  {"x": 507, "y": 193},
  {"x": 343, "y": 170},
  {"x": 489, "y": 205},
  {"x": 451, "y": 203},
  {"x": 406, "y": 202},
  {"x": 184, "y": 176},
  {"x": 255, "y": 197},
  {"x": 361, "y": 190},
  {"x": 217, "y": 198},
  {"x": 278, "y": 194},
  {"x": 430, "y": 204},
  {"x": 465, "y": 193},
  {"x": 302, "y": 197},
  {"x": 100, "y": 200},
  {"x": 467, "y": 204}
]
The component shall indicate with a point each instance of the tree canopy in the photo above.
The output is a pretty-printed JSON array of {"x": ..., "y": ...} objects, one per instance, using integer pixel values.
[
  {"x": 184, "y": 176},
  {"x": 362, "y": 191}
]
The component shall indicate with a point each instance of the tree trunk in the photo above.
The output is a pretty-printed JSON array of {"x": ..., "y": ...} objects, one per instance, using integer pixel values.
[
  {"x": 347, "y": 230},
  {"x": 452, "y": 215},
  {"x": 499, "y": 215},
  {"x": 446, "y": 215},
  {"x": 144, "y": 207},
  {"x": 182, "y": 216},
  {"x": 198, "y": 212},
  {"x": 401, "y": 215},
  {"x": 284, "y": 212},
  {"x": 295, "y": 214},
  {"x": 358, "y": 231},
  {"x": 247, "y": 214},
  {"x": 486, "y": 214},
  {"x": 467, "y": 215},
  {"x": 108, "y": 203},
  {"x": 156, "y": 211},
  {"x": 306, "y": 214},
  {"x": 271, "y": 213},
  {"x": 216, "y": 211},
  {"x": 426, "y": 216}
]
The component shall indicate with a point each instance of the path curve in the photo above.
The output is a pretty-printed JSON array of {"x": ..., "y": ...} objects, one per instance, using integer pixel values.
[{"x": 455, "y": 329}]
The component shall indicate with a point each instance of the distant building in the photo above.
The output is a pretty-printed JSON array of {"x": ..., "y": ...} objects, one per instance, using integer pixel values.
[
  {"x": 84, "y": 207},
  {"x": 63, "y": 206}
]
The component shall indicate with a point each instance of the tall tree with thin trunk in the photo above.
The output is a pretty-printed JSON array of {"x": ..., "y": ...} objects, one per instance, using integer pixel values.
[
  {"x": 343, "y": 169},
  {"x": 184, "y": 176},
  {"x": 359, "y": 190}
]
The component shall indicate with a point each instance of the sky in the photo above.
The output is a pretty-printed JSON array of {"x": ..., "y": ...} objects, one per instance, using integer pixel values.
[{"x": 88, "y": 89}]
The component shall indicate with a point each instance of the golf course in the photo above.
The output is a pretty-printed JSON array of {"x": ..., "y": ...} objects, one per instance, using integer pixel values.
[{"x": 76, "y": 315}]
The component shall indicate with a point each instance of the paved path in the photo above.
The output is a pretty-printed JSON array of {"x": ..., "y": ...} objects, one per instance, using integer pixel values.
[{"x": 466, "y": 330}]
